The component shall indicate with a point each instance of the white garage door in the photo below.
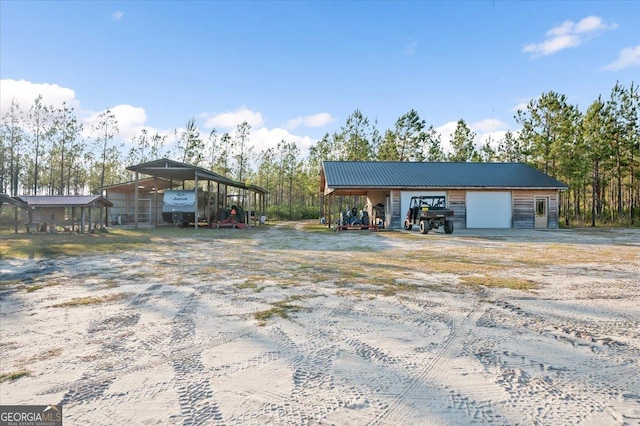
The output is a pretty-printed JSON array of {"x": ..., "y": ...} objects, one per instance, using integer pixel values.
[{"x": 488, "y": 209}]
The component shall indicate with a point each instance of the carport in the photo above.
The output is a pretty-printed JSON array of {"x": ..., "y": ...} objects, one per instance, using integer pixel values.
[
  {"x": 177, "y": 173},
  {"x": 50, "y": 210}
]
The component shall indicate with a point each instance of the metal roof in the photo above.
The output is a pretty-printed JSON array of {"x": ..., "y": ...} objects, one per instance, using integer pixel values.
[
  {"x": 5, "y": 199},
  {"x": 175, "y": 170},
  {"x": 66, "y": 201},
  {"x": 414, "y": 175},
  {"x": 144, "y": 185}
]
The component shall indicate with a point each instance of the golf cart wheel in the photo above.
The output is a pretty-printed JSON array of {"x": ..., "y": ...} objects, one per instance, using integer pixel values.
[
  {"x": 407, "y": 225},
  {"x": 448, "y": 227},
  {"x": 424, "y": 227}
]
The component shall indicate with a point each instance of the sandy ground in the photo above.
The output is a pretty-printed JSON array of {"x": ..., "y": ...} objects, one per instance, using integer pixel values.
[{"x": 385, "y": 328}]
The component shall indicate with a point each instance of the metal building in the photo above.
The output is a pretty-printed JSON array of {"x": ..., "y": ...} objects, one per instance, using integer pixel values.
[{"x": 482, "y": 195}]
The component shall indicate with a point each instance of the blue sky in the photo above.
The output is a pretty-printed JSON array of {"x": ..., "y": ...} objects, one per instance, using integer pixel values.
[{"x": 296, "y": 70}]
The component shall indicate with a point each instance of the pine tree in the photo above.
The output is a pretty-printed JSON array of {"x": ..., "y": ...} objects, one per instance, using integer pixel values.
[
  {"x": 190, "y": 144},
  {"x": 462, "y": 143}
]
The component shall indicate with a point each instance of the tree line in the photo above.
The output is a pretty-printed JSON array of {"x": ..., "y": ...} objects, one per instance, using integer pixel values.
[{"x": 44, "y": 150}]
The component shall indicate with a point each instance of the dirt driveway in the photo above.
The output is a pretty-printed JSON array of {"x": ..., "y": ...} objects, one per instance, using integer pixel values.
[{"x": 280, "y": 325}]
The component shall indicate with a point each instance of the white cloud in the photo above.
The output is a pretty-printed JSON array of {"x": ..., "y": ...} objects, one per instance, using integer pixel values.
[
  {"x": 488, "y": 125},
  {"x": 593, "y": 24},
  {"x": 493, "y": 137},
  {"x": 567, "y": 35},
  {"x": 628, "y": 57},
  {"x": 410, "y": 48},
  {"x": 488, "y": 128},
  {"x": 130, "y": 121},
  {"x": 116, "y": 16},
  {"x": 446, "y": 132},
  {"x": 316, "y": 120},
  {"x": 264, "y": 138},
  {"x": 25, "y": 92},
  {"x": 553, "y": 45},
  {"x": 229, "y": 120},
  {"x": 295, "y": 122},
  {"x": 522, "y": 104}
]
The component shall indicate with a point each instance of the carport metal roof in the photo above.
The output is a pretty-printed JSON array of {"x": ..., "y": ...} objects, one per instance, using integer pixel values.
[
  {"x": 149, "y": 184},
  {"x": 357, "y": 177},
  {"x": 175, "y": 170},
  {"x": 66, "y": 201}
]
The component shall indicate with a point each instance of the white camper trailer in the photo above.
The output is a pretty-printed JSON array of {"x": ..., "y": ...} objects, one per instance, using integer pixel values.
[{"x": 179, "y": 207}]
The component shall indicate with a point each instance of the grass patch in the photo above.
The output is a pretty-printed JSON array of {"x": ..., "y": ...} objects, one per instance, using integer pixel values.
[
  {"x": 290, "y": 281},
  {"x": 51, "y": 353},
  {"x": 13, "y": 376},
  {"x": 315, "y": 227},
  {"x": 41, "y": 285},
  {"x": 453, "y": 265},
  {"x": 36, "y": 246},
  {"x": 110, "y": 283},
  {"x": 252, "y": 285},
  {"x": 209, "y": 270},
  {"x": 91, "y": 300},
  {"x": 398, "y": 287},
  {"x": 499, "y": 282},
  {"x": 51, "y": 282},
  {"x": 281, "y": 309}
]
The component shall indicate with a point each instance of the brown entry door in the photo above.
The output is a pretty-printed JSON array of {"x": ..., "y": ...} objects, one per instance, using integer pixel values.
[{"x": 542, "y": 212}]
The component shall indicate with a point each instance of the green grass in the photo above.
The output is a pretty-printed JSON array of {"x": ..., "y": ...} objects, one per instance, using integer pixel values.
[
  {"x": 285, "y": 257},
  {"x": 14, "y": 375},
  {"x": 38, "y": 246},
  {"x": 282, "y": 309},
  {"x": 91, "y": 300},
  {"x": 10, "y": 283},
  {"x": 499, "y": 282},
  {"x": 316, "y": 227},
  {"x": 250, "y": 285}
]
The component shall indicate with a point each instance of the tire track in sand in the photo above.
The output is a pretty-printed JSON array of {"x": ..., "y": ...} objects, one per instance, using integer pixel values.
[{"x": 418, "y": 389}]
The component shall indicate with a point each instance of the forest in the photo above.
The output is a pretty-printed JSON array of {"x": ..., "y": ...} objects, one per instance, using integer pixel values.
[{"x": 44, "y": 150}]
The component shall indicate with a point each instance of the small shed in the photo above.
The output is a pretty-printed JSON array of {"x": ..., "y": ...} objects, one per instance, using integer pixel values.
[
  {"x": 76, "y": 212},
  {"x": 482, "y": 195}
]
